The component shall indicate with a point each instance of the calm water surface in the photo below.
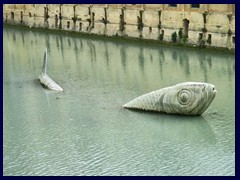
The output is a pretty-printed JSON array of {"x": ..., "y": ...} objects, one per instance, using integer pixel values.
[{"x": 85, "y": 131}]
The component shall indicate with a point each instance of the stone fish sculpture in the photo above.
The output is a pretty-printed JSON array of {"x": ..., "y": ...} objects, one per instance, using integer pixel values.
[
  {"x": 188, "y": 98},
  {"x": 45, "y": 79}
]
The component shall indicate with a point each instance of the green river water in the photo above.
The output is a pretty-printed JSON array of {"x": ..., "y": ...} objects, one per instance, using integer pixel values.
[{"x": 85, "y": 131}]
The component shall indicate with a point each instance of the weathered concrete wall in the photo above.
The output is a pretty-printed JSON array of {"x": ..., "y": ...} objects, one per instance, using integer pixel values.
[{"x": 211, "y": 25}]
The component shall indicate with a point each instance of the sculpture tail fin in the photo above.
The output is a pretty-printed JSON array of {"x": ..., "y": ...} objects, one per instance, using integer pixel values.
[{"x": 44, "y": 67}]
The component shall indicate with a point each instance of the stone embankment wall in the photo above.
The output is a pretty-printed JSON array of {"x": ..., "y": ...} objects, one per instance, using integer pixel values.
[{"x": 195, "y": 24}]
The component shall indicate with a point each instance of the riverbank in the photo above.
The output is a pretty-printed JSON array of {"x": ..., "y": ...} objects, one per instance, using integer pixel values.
[{"x": 204, "y": 26}]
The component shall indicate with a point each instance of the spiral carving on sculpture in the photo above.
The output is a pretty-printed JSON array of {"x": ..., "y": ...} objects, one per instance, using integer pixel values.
[{"x": 184, "y": 97}]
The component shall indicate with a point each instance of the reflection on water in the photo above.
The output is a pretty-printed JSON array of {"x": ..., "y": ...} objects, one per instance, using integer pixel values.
[
  {"x": 85, "y": 131},
  {"x": 183, "y": 127}
]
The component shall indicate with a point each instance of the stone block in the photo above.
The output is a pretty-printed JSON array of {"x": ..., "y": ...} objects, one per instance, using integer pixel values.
[
  {"x": 151, "y": 18},
  {"x": 114, "y": 15},
  {"x": 131, "y": 16}
]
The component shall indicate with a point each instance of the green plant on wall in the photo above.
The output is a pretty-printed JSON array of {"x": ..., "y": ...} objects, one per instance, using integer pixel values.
[
  {"x": 160, "y": 37},
  {"x": 180, "y": 34},
  {"x": 174, "y": 37},
  {"x": 184, "y": 39}
]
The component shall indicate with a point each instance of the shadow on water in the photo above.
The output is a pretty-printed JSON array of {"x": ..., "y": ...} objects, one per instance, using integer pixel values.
[
  {"x": 48, "y": 45},
  {"x": 106, "y": 54},
  {"x": 190, "y": 128},
  {"x": 123, "y": 57},
  {"x": 49, "y": 94},
  {"x": 23, "y": 37},
  {"x": 161, "y": 62},
  {"x": 141, "y": 58},
  {"x": 184, "y": 63},
  {"x": 92, "y": 50}
]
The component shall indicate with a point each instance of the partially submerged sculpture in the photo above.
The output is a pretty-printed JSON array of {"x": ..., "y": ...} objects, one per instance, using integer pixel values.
[
  {"x": 45, "y": 79},
  {"x": 189, "y": 98}
]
